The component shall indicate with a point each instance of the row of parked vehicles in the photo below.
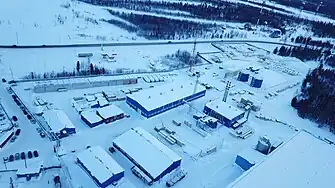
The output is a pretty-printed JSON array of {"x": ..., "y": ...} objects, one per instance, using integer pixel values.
[
  {"x": 22, "y": 155},
  {"x": 24, "y": 110}
]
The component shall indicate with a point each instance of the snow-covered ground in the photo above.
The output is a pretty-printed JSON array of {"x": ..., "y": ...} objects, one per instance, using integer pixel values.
[
  {"x": 219, "y": 166},
  {"x": 27, "y": 23}
]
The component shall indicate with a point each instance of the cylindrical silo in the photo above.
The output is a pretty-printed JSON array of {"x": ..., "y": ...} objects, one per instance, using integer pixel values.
[
  {"x": 256, "y": 82},
  {"x": 243, "y": 76}
]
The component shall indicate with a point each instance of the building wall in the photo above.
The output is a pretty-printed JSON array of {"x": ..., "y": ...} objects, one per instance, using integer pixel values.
[
  {"x": 113, "y": 178},
  {"x": 134, "y": 104},
  {"x": 243, "y": 163}
]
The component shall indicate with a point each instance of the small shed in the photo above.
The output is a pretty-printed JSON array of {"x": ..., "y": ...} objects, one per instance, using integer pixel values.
[{"x": 247, "y": 158}]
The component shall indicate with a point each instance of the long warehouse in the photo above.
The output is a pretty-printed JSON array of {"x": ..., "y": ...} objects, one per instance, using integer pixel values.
[
  {"x": 304, "y": 161},
  {"x": 147, "y": 153},
  {"x": 154, "y": 101}
]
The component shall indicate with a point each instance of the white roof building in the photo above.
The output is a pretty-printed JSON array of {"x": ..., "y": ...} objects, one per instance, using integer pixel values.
[
  {"x": 57, "y": 120},
  {"x": 109, "y": 111},
  {"x": 91, "y": 116},
  {"x": 302, "y": 162},
  {"x": 228, "y": 111},
  {"x": 158, "y": 96},
  {"x": 99, "y": 164},
  {"x": 147, "y": 151}
]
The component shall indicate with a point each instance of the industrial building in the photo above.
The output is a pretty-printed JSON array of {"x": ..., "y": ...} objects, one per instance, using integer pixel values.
[
  {"x": 82, "y": 83},
  {"x": 103, "y": 169},
  {"x": 303, "y": 161},
  {"x": 147, "y": 153},
  {"x": 154, "y": 101},
  {"x": 91, "y": 118},
  {"x": 224, "y": 112},
  {"x": 59, "y": 123},
  {"x": 110, "y": 113}
]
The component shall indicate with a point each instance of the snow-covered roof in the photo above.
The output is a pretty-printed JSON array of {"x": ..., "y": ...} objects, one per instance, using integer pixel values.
[
  {"x": 251, "y": 155},
  {"x": 146, "y": 150},
  {"x": 57, "y": 120},
  {"x": 225, "y": 109},
  {"x": 303, "y": 161},
  {"x": 100, "y": 165},
  {"x": 91, "y": 116},
  {"x": 158, "y": 96},
  {"x": 109, "y": 111}
]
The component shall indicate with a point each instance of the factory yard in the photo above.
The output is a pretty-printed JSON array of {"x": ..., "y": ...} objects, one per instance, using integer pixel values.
[{"x": 207, "y": 127}]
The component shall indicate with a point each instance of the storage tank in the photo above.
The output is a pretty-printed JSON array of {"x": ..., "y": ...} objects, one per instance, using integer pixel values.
[
  {"x": 256, "y": 82},
  {"x": 243, "y": 76}
]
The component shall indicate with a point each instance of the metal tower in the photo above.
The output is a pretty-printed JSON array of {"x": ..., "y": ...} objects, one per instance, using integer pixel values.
[
  {"x": 226, "y": 91},
  {"x": 193, "y": 58}
]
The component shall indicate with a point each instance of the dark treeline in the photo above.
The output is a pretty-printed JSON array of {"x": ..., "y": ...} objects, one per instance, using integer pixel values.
[
  {"x": 316, "y": 99},
  {"x": 222, "y": 11},
  {"x": 153, "y": 27},
  {"x": 309, "y": 41},
  {"x": 327, "y": 8},
  {"x": 305, "y": 53}
]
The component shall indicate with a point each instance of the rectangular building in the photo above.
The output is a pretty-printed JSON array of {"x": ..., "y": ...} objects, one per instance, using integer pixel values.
[
  {"x": 224, "y": 112},
  {"x": 91, "y": 118},
  {"x": 110, "y": 113},
  {"x": 248, "y": 157},
  {"x": 154, "y": 101},
  {"x": 303, "y": 161},
  {"x": 59, "y": 123},
  {"x": 147, "y": 153},
  {"x": 100, "y": 166}
]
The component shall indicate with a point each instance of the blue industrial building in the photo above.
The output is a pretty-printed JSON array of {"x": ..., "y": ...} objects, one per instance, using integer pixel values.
[
  {"x": 147, "y": 153},
  {"x": 154, "y": 101},
  {"x": 91, "y": 118},
  {"x": 243, "y": 76},
  {"x": 226, "y": 114},
  {"x": 256, "y": 82},
  {"x": 102, "y": 168}
]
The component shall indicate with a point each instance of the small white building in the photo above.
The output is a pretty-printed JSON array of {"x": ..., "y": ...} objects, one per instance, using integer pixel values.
[
  {"x": 91, "y": 118},
  {"x": 110, "y": 113},
  {"x": 59, "y": 123}
]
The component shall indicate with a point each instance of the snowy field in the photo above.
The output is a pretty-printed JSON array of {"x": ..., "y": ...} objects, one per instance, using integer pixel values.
[{"x": 59, "y": 59}]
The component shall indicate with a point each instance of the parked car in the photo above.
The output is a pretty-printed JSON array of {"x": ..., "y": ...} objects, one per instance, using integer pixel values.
[
  {"x": 11, "y": 158},
  {"x": 24, "y": 112},
  {"x": 35, "y": 153},
  {"x": 4, "y": 80},
  {"x": 17, "y": 132},
  {"x": 33, "y": 121},
  {"x": 18, "y": 103},
  {"x": 13, "y": 139},
  {"x": 29, "y": 117},
  {"x": 111, "y": 149},
  {"x": 30, "y": 154},
  {"x": 23, "y": 155},
  {"x": 14, "y": 97},
  {"x": 42, "y": 134},
  {"x": 14, "y": 118},
  {"x": 17, "y": 156}
]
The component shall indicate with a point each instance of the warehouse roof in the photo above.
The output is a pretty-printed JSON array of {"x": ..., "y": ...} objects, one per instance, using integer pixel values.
[
  {"x": 161, "y": 95},
  {"x": 303, "y": 161},
  {"x": 146, "y": 150},
  {"x": 57, "y": 120},
  {"x": 109, "y": 111},
  {"x": 225, "y": 109},
  {"x": 99, "y": 163},
  {"x": 91, "y": 116}
]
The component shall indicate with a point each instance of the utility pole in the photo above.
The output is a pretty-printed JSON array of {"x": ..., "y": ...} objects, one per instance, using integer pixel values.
[
  {"x": 17, "y": 38},
  {"x": 317, "y": 8},
  {"x": 195, "y": 89},
  {"x": 225, "y": 95}
]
